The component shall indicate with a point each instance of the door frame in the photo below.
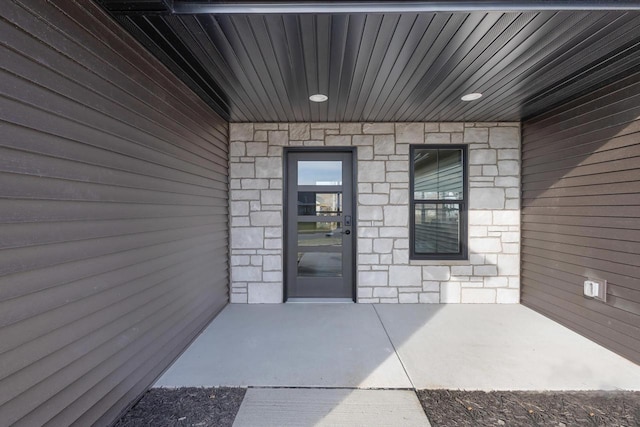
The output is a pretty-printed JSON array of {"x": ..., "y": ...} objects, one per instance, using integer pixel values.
[{"x": 285, "y": 213}]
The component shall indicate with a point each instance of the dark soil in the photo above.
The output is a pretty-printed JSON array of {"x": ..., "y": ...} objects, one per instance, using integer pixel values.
[
  {"x": 185, "y": 407},
  {"x": 507, "y": 408}
]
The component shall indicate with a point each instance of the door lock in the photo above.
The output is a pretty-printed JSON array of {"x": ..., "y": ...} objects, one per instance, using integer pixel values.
[{"x": 347, "y": 220}]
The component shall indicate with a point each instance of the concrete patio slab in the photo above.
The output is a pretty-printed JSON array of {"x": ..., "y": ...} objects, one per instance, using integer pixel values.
[
  {"x": 295, "y": 345},
  {"x": 330, "y": 407},
  {"x": 499, "y": 347}
]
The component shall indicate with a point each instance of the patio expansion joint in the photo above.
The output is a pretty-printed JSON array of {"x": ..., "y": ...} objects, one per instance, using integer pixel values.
[{"x": 394, "y": 347}]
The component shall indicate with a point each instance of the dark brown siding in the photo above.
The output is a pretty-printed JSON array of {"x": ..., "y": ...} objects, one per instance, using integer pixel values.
[
  {"x": 581, "y": 214},
  {"x": 113, "y": 215}
]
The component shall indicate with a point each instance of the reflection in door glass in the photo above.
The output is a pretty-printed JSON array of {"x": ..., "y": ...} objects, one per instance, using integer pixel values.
[
  {"x": 319, "y": 264},
  {"x": 319, "y": 234},
  {"x": 319, "y": 172},
  {"x": 311, "y": 203}
]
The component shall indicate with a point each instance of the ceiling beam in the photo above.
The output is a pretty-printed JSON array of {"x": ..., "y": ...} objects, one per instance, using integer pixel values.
[{"x": 273, "y": 7}]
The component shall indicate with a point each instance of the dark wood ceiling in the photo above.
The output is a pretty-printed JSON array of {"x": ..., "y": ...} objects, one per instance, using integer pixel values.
[{"x": 391, "y": 66}]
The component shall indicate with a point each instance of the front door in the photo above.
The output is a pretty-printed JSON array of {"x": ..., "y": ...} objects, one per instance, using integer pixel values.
[{"x": 320, "y": 225}]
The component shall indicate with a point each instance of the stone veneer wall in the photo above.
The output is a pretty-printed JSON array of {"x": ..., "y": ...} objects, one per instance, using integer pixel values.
[{"x": 385, "y": 273}]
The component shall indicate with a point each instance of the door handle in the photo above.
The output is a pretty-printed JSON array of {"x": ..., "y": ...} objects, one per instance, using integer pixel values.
[{"x": 347, "y": 232}]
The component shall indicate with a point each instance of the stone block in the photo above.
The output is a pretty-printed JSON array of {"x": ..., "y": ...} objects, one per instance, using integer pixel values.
[
  {"x": 385, "y": 292},
  {"x": 240, "y": 260},
  {"x": 451, "y": 127},
  {"x": 486, "y": 198},
  {"x": 508, "y": 296},
  {"x": 478, "y": 296},
  {"x": 434, "y": 272},
  {"x": 395, "y": 166},
  {"x": 246, "y": 274},
  {"x": 381, "y": 188},
  {"x": 438, "y": 138},
  {"x": 237, "y": 298},
  {"x": 430, "y": 298},
  {"x": 382, "y": 246},
  {"x": 373, "y": 199},
  {"x": 372, "y": 278},
  {"x": 262, "y": 218},
  {"x": 411, "y": 133},
  {"x": 240, "y": 131},
  {"x": 489, "y": 170},
  {"x": 242, "y": 170},
  {"x": 271, "y": 232},
  {"x": 279, "y": 137},
  {"x": 371, "y": 213},
  {"x": 378, "y": 128},
  {"x": 362, "y": 140},
  {"x": 483, "y": 157},
  {"x": 240, "y": 221},
  {"x": 462, "y": 270},
  {"x": 272, "y": 263},
  {"x": 254, "y": 184},
  {"x": 394, "y": 232},
  {"x": 365, "y": 292},
  {"x": 408, "y": 298},
  {"x": 365, "y": 246},
  {"x": 237, "y": 149},
  {"x": 431, "y": 286},
  {"x": 269, "y": 167},
  {"x": 476, "y": 135},
  {"x": 397, "y": 177},
  {"x": 272, "y": 276},
  {"x": 396, "y": 216},
  {"x": 399, "y": 197},
  {"x": 257, "y": 148},
  {"x": 265, "y": 293},
  {"x": 365, "y": 188},
  {"x": 508, "y": 265},
  {"x": 261, "y": 136},
  {"x": 338, "y": 140},
  {"x": 247, "y": 238},
  {"x": 504, "y": 137},
  {"x": 509, "y": 167},
  {"x": 384, "y": 144},
  {"x": 511, "y": 217},
  {"x": 485, "y": 270},
  {"x": 371, "y": 171},
  {"x": 510, "y": 181},
  {"x": 496, "y": 282},
  {"x": 484, "y": 245},
  {"x": 239, "y": 208},
  {"x": 350, "y": 128},
  {"x": 368, "y": 259},
  {"x": 400, "y": 256},
  {"x": 299, "y": 131},
  {"x": 365, "y": 153},
  {"x": 400, "y": 275},
  {"x": 450, "y": 293},
  {"x": 508, "y": 154},
  {"x": 271, "y": 197}
]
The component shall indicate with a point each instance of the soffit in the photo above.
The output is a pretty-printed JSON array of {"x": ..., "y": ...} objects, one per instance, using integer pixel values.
[{"x": 380, "y": 67}]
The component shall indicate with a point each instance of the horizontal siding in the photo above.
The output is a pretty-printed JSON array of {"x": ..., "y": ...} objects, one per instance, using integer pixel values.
[
  {"x": 581, "y": 214},
  {"x": 113, "y": 215}
]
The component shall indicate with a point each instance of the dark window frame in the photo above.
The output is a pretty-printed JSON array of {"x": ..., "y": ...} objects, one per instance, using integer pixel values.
[{"x": 463, "y": 253}]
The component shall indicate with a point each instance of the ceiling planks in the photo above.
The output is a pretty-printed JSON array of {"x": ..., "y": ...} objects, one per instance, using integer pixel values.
[{"x": 391, "y": 66}]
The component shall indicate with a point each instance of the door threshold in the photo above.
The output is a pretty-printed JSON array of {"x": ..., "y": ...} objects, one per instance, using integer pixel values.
[{"x": 321, "y": 300}]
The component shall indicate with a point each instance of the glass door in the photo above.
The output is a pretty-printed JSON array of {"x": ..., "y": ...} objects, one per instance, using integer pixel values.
[{"x": 319, "y": 225}]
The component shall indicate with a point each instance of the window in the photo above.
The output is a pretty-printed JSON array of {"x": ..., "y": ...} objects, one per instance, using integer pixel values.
[{"x": 438, "y": 202}]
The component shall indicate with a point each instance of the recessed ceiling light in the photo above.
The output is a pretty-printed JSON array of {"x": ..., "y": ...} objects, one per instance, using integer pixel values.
[
  {"x": 471, "y": 96},
  {"x": 318, "y": 97}
]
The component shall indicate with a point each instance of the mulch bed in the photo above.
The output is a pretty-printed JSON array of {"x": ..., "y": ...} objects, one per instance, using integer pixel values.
[
  {"x": 477, "y": 409},
  {"x": 185, "y": 407}
]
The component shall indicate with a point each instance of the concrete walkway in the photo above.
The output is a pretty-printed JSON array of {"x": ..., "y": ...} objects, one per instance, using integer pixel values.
[{"x": 340, "y": 349}]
